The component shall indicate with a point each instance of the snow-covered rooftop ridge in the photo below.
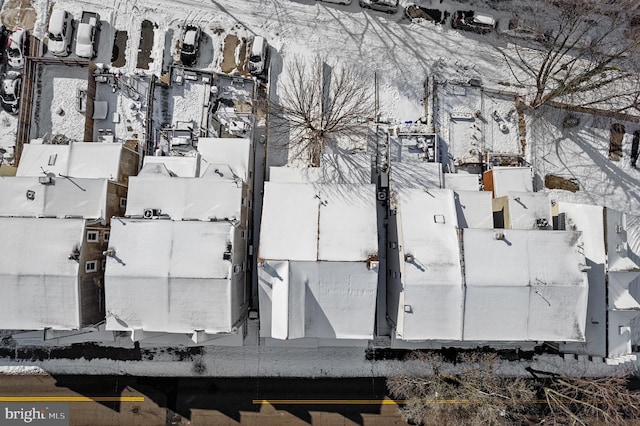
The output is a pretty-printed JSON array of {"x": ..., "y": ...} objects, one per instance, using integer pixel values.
[
  {"x": 53, "y": 197},
  {"x": 170, "y": 276},
  {"x": 474, "y": 209},
  {"x": 39, "y": 279},
  {"x": 183, "y": 198},
  {"x": 524, "y": 285},
  {"x": 315, "y": 222},
  {"x": 78, "y": 159}
]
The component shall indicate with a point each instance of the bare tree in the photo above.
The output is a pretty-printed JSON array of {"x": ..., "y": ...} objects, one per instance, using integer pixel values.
[
  {"x": 318, "y": 104},
  {"x": 472, "y": 395},
  {"x": 583, "y": 401},
  {"x": 587, "y": 56}
]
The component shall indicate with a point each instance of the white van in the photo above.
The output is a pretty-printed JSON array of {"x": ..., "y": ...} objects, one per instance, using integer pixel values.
[
  {"x": 258, "y": 55},
  {"x": 60, "y": 32}
]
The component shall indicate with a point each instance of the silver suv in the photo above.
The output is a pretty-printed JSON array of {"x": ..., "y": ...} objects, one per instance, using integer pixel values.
[{"x": 389, "y": 6}]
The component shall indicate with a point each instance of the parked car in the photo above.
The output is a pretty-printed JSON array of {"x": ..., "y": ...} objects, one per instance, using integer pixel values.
[
  {"x": 258, "y": 55},
  {"x": 469, "y": 20},
  {"x": 60, "y": 32},
  {"x": 419, "y": 13},
  {"x": 389, "y": 6},
  {"x": 337, "y": 1},
  {"x": 15, "y": 47},
  {"x": 86, "y": 35},
  {"x": 190, "y": 43},
  {"x": 10, "y": 92}
]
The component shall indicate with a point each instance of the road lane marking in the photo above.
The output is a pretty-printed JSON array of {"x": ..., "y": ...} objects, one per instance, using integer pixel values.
[{"x": 71, "y": 398}]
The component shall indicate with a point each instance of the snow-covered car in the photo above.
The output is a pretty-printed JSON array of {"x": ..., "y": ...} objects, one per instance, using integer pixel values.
[
  {"x": 419, "y": 13},
  {"x": 190, "y": 43},
  {"x": 388, "y": 6},
  {"x": 86, "y": 35},
  {"x": 60, "y": 32},
  {"x": 15, "y": 47},
  {"x": 469, "y": 20},
  {"x": 10, "y": 92},
  {"x": 258, "y": 55}
]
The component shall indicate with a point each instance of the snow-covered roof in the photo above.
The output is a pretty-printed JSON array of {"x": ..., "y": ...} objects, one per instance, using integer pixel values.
[
  {"x": 78, "y": 197},
  {"x": 529, "y": 210},
  {"x": 474, "y": 209},
  {"x": 433, "y": 295},
  {"x": 184, "y": 198},
  {"x": 506, "y": 179},
  {"x": 179, "y": 166},
  {"x": 318, "y": 222},
  {"x": 169, "y": 276},
  {"x": 236, "y": 152},
  {"x": 462, "y": 181},
  {"x": 334, "y": 300},
  {"x": 78, "y": 159},
  {"x": 334, "y": 168},
  {"x": 39, "y": 281},
  {"x": 619, "y": 255},
  {"x": 416, "y": 175},
  {"x": 524, "y": 285}
]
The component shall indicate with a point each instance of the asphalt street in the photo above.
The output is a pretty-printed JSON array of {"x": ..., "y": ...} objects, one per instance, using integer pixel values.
[{"x": 127, "y": 400}]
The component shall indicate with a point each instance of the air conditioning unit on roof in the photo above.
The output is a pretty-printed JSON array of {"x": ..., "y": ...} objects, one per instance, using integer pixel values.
[{"x": 151, "y": 213}]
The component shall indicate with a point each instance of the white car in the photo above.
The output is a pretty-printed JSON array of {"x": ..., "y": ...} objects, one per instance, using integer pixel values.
[
  {"x": 60, "y": 31},
  {"x": 15, "y": 47},
  {"x": 85, "y": 41}
]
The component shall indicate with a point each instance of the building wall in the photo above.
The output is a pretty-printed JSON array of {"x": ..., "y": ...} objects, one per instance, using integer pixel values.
[
  {"x": 394, "y": 268},
  {"x": 129, "y": 165},
  {"x": 115, "y": 207},
  {"x": 501, "y": 216},
  {"x": 91, "y": 283}
]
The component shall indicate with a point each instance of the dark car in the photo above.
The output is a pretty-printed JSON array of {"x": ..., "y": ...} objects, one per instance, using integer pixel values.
[
  {"x": 10, "y": 92},
  {"x": 190, "y": 42},
  {"x": 419, "y": 13},
  {"x": 388, "y": 6},
  {"x": 469, "y": 20}
]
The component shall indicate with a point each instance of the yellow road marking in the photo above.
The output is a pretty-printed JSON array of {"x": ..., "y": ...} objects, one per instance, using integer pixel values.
[{"x": 71, "y": 398}]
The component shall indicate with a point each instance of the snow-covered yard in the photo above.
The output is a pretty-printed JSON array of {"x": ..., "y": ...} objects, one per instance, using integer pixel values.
[{"x": 56, "y": 100}]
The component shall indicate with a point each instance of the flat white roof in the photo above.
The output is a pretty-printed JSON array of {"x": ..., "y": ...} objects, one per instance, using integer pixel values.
[
  {"x": 334, "y": 168},
  {"x": 507, "y": 179},
  {"x": 39, "y": 281},
  {"x": 414, "y": 174},
  {"x": 462, "y": 181},
  {"x": 169, "y": 276},
  {"x": 528, "y": 210},
  {"x": 179, "y": 166},
  {"x": 333, "y": 300},
  {"x": 184, "y": 198},
  {"x": 78, "y": 197},
  {"x": 236, "y": 152},
  {"x": 78, "y": 159},
  {"x": 318, "y": 222},
  {"x": 474, "y": 209},
  {"x": 433, "y": 277},
  {"x": 526, "y": 285}
]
